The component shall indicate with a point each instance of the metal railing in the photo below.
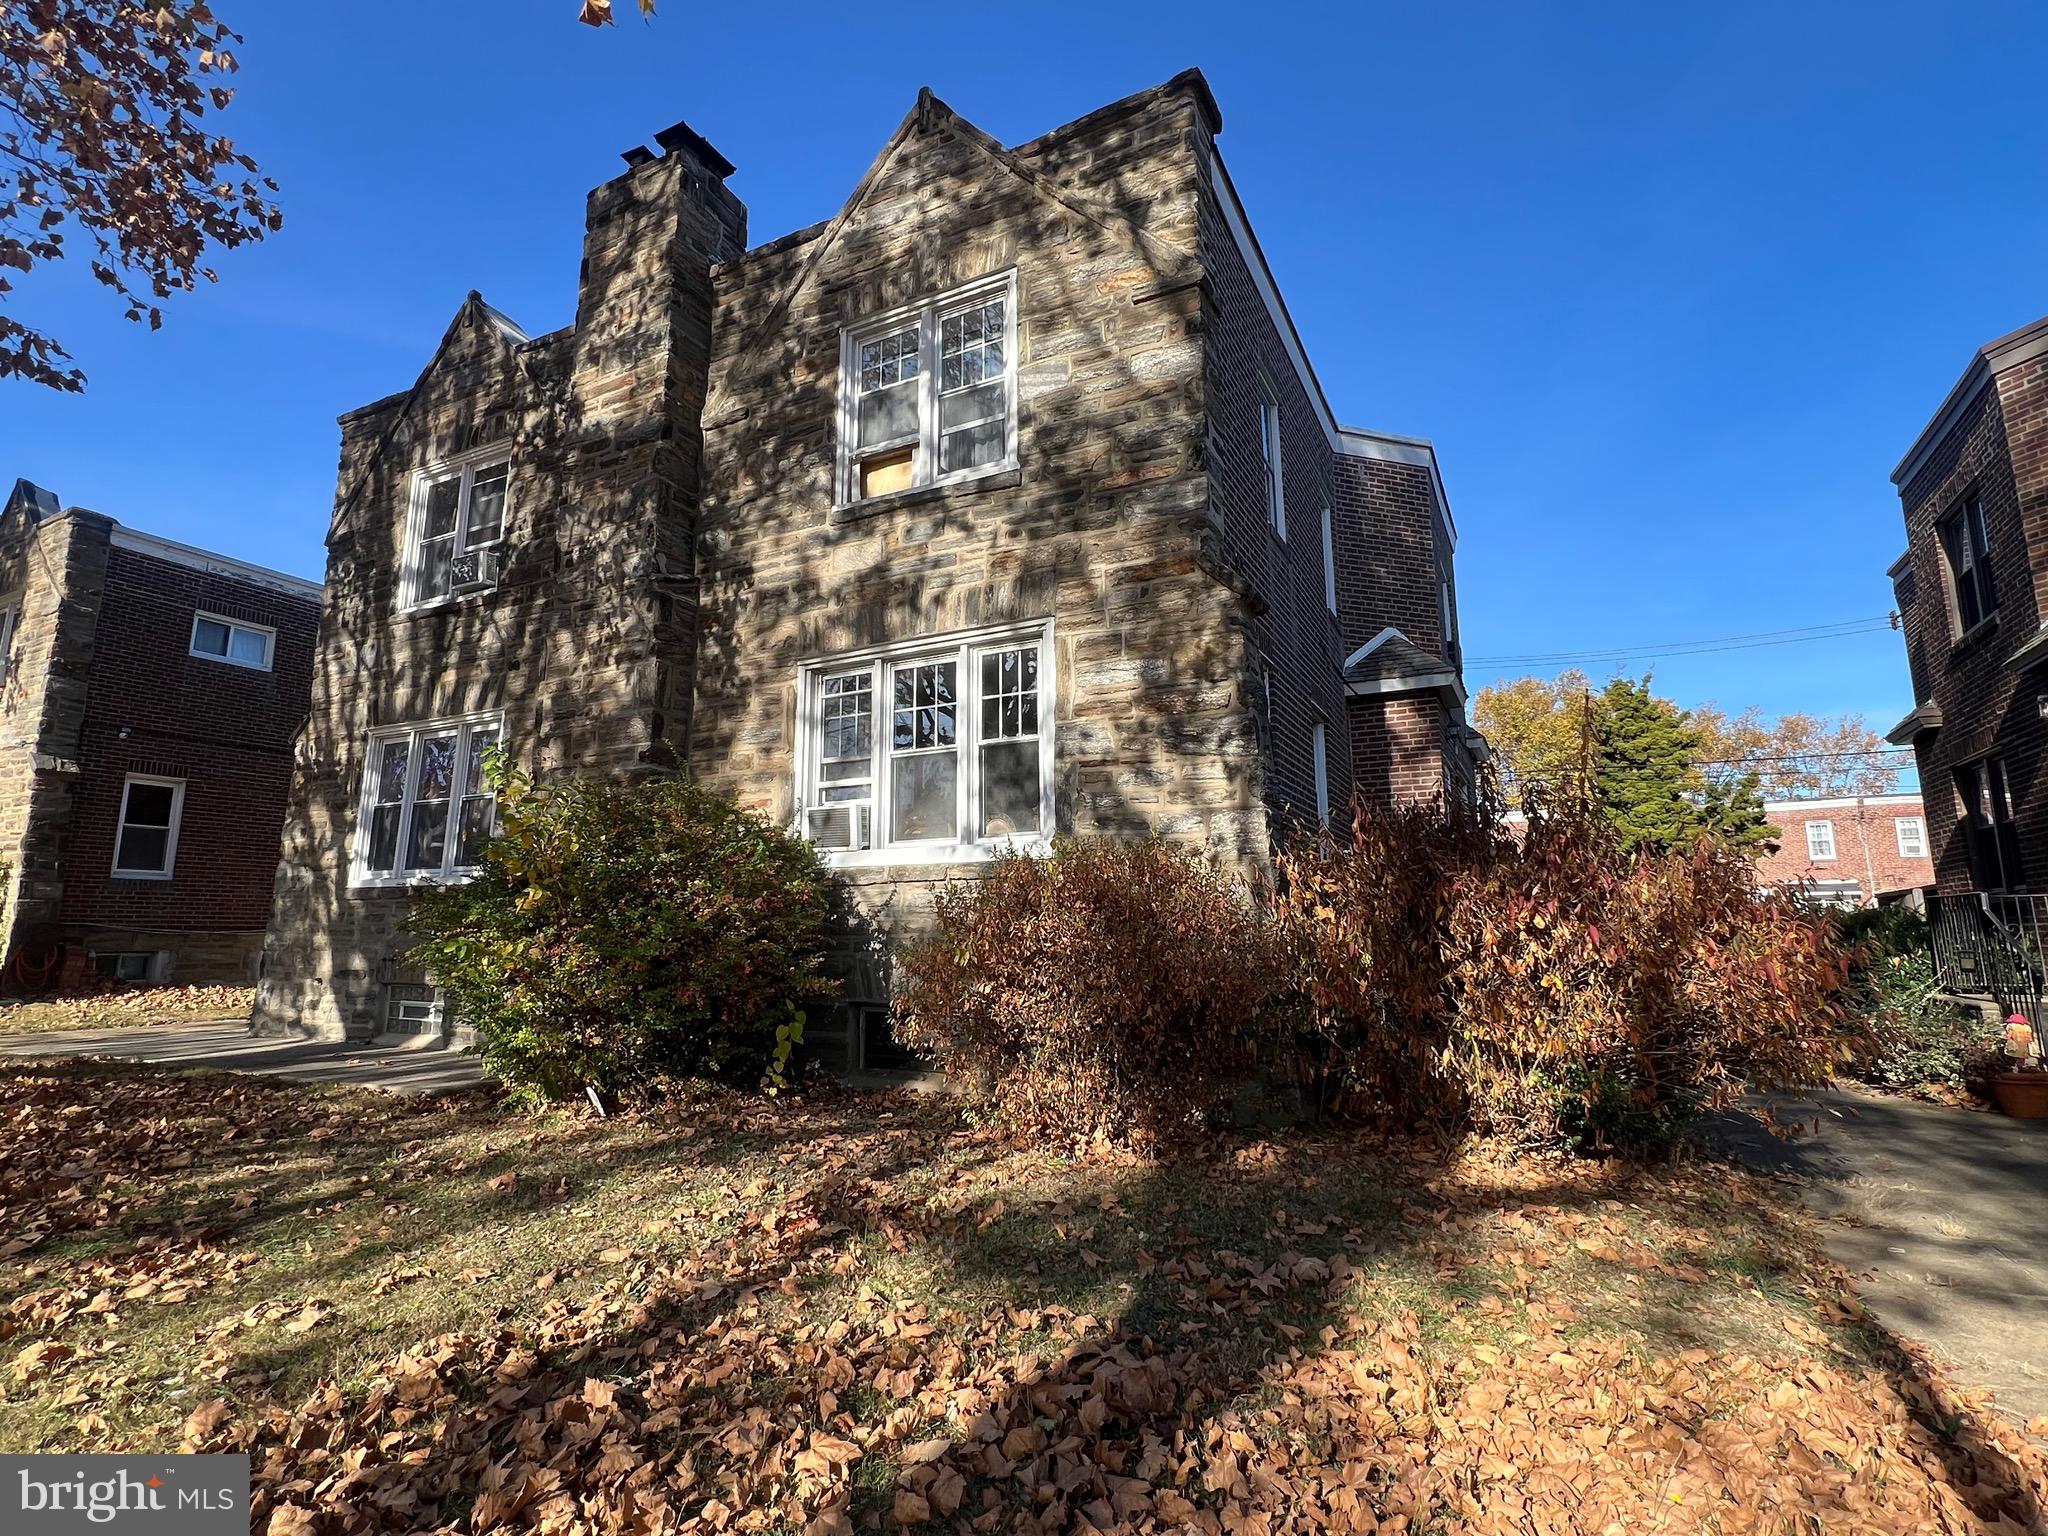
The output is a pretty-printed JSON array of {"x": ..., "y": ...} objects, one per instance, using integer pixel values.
[{"x": 1991, "y": 944}]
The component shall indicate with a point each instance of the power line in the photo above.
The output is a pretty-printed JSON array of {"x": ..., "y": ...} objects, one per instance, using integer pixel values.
[
  {"x": 1801, "y": 757},
  {"x": 1840, "y": 630}
]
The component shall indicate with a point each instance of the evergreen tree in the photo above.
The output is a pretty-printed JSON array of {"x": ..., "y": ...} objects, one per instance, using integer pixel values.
[{"x": 1646, "y": 767}]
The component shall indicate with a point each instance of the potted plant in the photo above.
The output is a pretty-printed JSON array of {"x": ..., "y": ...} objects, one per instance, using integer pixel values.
[{"x": 2022, "y": 1091}]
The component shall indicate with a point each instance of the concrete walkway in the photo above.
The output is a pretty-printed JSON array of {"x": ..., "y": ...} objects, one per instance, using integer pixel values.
[
  {"x": 1944, "y": 1215},
  {"x": 226, "y": 1045}
]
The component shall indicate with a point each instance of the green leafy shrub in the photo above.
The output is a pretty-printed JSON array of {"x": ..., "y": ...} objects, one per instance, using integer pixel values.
[
  {"x": 620, "y": 932},
  {"x": 1924, "y": 1039},
  {"x": 1107, "y": 991},
  {"x": 1552, "y": 986}
]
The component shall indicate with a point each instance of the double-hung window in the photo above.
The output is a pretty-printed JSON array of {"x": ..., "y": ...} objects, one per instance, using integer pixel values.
[
  {"x": 1319, "y": 751},
  {"x": 1329, "y": 560},
  {"x": 234, "y": 641},
  {"x": 426, "y": 809},
  {"x": 1912, "y": 835},
  {"x": 1820, "y": 840},
  {"x": 1270, "y": 456},
  {"x": 455, "y": 528},
  {"x": 929, "y": 751},
  {"x": 146, "y": 841},
  {"x": 928, "y": 395},
  {"x": 1966, "y": 544}
]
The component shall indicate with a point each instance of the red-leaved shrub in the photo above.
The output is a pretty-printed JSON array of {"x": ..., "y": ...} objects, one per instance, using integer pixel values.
[
  {"x": 1548, "y": 984},
  {"x": 1104, "y": 992}
]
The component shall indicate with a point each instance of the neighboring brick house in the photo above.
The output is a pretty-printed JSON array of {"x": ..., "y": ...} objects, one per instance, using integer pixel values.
[
  {"x": 1853, "y": 851},
  {"x": 1019, "y": 452},
  {"x": 148, "y": 702},
  {"x": 1971, "y": 589}
]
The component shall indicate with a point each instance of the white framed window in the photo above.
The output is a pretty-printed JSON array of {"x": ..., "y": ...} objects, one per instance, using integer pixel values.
[
  {"x": 426, "y": 811},
  {"x": 234, "y": 641},
  {"x": 1911, "y": 832},
  {"x": 146, "y": 837},
  {"x": 455, "y": 527},
  {"x": 1270, "y": 457},
  {"x": 1319, "y": 749},
  {"x": 929, "y": 751},
  {"x": 1329, "y": 560},
  {"x": 928, "y": 394},
  {"x": 1820, "y": 840}
]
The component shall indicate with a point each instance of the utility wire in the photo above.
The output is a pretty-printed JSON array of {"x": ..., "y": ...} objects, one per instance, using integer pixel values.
[{"x": 1841, "y": 629}]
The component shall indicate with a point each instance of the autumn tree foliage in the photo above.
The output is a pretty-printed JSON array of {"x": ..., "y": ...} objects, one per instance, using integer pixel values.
[
  {"x": 1555, "y": 985},
  {"x": 106, "y": 136},
  {"x": 1109, "y": 991},
  {"x": 622, "y": 932}
]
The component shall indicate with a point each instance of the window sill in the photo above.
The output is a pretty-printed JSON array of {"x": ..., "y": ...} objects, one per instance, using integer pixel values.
[
  {"x": 454, "y": 600},
  {"x": 411, "y": 882},
  {"x": 1974, "y": 633},
  {"x": 158, "y": 875},
  {"x": 936, "y": 855},
  {"x": 1003, "y": 477}
]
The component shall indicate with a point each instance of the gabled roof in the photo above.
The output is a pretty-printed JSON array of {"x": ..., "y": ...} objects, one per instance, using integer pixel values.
[
  {"x": 931, "y": 115},
  {"x": 473, "y": 314},
  {"x": 1990, "y": 360},
  {"x": 1391, "y": 663}
]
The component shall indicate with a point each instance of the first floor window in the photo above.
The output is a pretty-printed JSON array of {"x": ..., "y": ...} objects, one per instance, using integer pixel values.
[
  {"x": 233, "y": 641},
  {"x": 1912, "y": 835},
  {"x": 1820, "y": 839},
  {"x": 427, "y": 810},
  {"x": 146, "y": 843},
  {"x": 1990, "y": 835},
  {"x": 938, "y": 750},
  {"x": 456, "y": 510}
]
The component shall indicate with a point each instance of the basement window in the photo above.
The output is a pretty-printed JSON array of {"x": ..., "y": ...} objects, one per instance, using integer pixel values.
[
  {"x": 928, "y": 394},
  {"x": 455, "y": 529},
  {"x": 426, "y": 809},
  {"x": 931, "y": 751}
]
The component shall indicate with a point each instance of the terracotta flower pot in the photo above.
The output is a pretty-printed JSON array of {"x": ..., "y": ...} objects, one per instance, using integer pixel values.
[{"x": 2023, "y": 1095}]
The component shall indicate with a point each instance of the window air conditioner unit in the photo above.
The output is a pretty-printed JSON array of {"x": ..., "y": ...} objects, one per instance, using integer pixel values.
[{"x": 476, "y": 570}]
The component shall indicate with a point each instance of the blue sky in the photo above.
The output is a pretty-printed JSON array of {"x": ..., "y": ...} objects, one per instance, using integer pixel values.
[{"x": 1672, "y": 288}]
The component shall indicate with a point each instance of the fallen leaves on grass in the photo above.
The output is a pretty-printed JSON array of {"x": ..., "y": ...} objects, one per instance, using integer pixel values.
[{"x": 116, "y": 1007}]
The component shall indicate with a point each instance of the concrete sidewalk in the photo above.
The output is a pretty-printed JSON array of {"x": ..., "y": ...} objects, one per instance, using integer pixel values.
[
  {"x": 227, "y": 1046},
  {"x": 1943, "y": 1212}
]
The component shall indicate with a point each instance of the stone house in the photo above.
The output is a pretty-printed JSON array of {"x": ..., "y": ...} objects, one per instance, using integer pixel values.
[
  {"x": 149, "y": 696},
  {"x": 1972, "y": 593},
  {"x": 1019, "y": 452}
]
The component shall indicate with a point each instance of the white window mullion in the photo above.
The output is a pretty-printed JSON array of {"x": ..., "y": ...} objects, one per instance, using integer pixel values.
[
  {"x": 399, "y": 867},
  {"x": 966, "y": 746},
  {"x": 884, "y": 830},
  {"x": 927, "y": 397}
]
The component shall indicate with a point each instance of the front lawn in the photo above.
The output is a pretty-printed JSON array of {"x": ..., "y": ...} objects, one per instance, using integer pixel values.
[
  {"x": 850, "y": 1311},
  {"x": 126, "y": 1008}
]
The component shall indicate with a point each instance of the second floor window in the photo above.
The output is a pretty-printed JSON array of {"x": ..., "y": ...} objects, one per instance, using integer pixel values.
[
  {"x": 1269, "y": 458},
  {"x": 426, "y": 810},
  {"x": 456, "y": 523},
  {"x": 10, "y": 624},
  {"x": 1329, "y": 561},
  {"x": 1966, "y": 545},
  {"x": 232, "y": 641},
  {"x": 1912, "y": 836},
  {"x": 929, "y": 395},
  {"x": 1820, "y": 840}
]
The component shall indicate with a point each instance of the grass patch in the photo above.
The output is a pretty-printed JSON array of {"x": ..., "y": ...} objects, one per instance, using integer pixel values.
[
  {"x": 853, "y": 1308},
  {"x": 126, "y": 1008}
]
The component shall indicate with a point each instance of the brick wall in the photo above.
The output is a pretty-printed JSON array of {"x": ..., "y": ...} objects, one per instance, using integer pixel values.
[
  {"x": 1996, "y": 449},
  {"x": 1295, "y": 652},
  {"x": 1866, "y": 844}
]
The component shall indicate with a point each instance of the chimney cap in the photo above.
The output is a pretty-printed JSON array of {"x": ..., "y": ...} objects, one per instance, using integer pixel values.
[
  {"x": 638, "y": 156},
  {"x": 683, "y": 136}
]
